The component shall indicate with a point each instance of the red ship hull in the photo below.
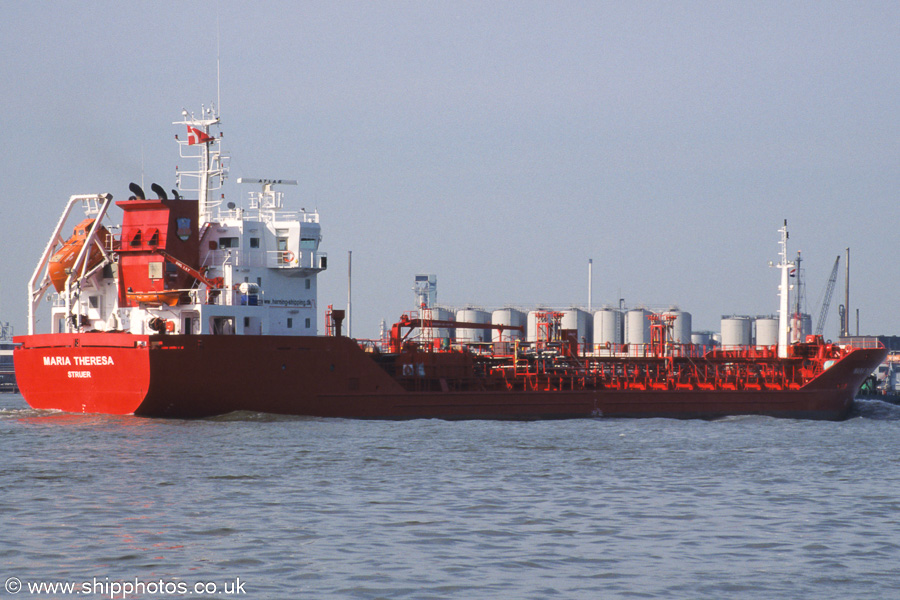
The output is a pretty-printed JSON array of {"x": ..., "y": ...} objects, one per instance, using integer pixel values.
[{"x": 205, "y": 375}]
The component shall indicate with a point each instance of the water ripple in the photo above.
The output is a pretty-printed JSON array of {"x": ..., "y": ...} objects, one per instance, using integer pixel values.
[{"x": 743, "y": 507}]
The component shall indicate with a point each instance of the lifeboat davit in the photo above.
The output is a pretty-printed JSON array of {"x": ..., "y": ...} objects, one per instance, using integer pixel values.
[{"x": 61, "y": 262}]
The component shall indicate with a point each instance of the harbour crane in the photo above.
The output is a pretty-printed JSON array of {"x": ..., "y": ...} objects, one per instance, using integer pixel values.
[{"x": 829, "y": 288}]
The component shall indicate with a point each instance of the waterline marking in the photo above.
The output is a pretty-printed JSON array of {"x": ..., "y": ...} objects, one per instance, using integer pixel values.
[{"x": 124, "y": 589}]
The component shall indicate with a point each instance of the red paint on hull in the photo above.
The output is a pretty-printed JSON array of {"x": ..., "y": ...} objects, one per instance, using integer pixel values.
[
  {"x": 90, "y": 373},
  {"x": 197, "y": 376}
]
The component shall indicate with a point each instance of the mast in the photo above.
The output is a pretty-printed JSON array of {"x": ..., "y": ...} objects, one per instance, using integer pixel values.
[
  {"x": 590, "y": 283},
  {"x": 797, "y": 316},
  {"x": 203, "y": 195},
  {"x": 783, "y": 295},
  {"x": 211, "y": 170},
  {"x": 349, "y": 293},
  {"x": 846, "y": 321}
]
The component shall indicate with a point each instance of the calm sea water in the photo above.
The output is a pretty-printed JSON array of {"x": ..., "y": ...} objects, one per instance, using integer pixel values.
[{"x": 255, "y": 506}]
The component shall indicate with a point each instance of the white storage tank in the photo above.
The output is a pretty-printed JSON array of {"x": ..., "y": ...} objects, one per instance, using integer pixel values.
[
  {"x": 439, "y": 314},
  {"x": 607, "y": 327},
  {"x": 473, "y": 315},
  {"x": 531, "y": 325},
  {"x": 681, "y": 327},
  {"x": 703, "y": 338},
  {"x": 511, "y": 317},
  {"x": 805, "y": 328},
  {"x": 637, "y": 326},
  {"x": 736, "y": 331},
  {"x": 767, "y": 331},
  {"x": 579, "y": 320}
]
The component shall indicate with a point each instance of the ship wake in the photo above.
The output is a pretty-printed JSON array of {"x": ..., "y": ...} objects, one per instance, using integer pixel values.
[{"x": 877, "y": 410}]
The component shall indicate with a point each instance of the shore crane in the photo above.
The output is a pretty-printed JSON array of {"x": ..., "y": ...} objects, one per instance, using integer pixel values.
[{"x": 829, "y": 288}]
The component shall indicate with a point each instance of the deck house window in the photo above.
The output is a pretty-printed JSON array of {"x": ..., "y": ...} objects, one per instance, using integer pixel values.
[{"x": 282, "y": 245}]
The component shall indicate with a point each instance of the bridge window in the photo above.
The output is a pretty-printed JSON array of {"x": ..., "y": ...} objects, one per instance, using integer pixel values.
[
  {"x": 228, "y": 242},
  {"x": 136, "y": 238}
]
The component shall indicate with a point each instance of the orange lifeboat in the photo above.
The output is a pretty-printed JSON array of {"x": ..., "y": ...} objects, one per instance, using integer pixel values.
[
  {"x": 61, "y": 262},
  {"x": 156, "y": 298}
]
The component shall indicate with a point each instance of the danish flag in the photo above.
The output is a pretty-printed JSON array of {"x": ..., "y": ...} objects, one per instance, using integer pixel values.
[{"x": 195, "y": 136}]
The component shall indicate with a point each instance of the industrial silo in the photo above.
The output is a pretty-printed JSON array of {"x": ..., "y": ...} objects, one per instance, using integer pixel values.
[
  {"x": 703, "y": 339},
  {"x": 806, "y": 322},
  {"x": 473, "y": 315},
  {"x": 607, "y": 327},
  {"x": 580, "y": 321},
  {"x": 531, "y": 327},
  {"x": 767, "y": 331},
  {"x": 736, "y": 331},
  {"x": 637, "y": 326},
  {"x": 437, "y": 314},
  {"x": 510, "y": 317},
  {"x": 799, "y": 328},
  {"x": 681, "y": 327}
]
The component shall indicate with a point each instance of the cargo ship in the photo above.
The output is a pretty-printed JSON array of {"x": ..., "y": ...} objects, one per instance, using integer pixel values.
[{"x": 196, "y": 307}]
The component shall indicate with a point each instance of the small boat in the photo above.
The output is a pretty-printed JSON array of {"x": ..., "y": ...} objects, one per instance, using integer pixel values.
[
  {"x": 64, "y": 259},
  {"x": 167, "y": 297}
]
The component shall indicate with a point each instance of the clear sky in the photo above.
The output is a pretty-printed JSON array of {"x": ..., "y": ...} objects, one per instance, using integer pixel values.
[{"x": 499, "y": 145}]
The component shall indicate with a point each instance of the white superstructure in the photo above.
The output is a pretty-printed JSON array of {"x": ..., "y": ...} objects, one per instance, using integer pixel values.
[{"x": 248, "y": 270}]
